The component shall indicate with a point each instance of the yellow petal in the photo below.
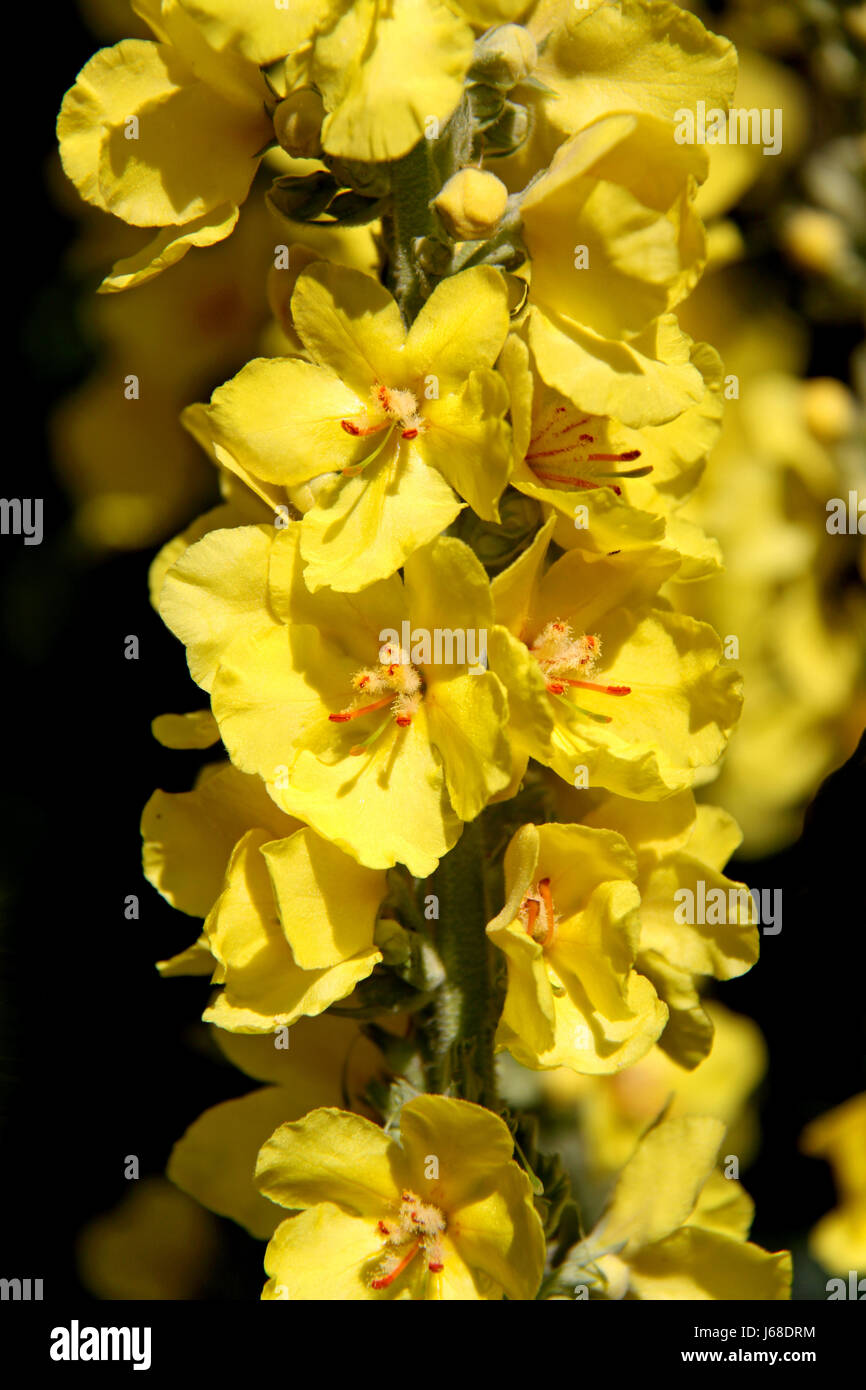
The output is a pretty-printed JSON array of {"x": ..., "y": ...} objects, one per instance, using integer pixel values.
[
  {"x": 216, "y": 589},
  {"x": 350, "y": 324},
  {"x": 215, "y": 1159},
  {"x": 149, "y": 177},
  {"x": 327, "y": 902},
  {"x": 332, "y": 1156},
  {"x": 698, "y": 1264},
  {"x": 198, "y": 729},
  {"x": 658, "y": 1188},
  {"x": 169, "y": 247},
  {"x": 378, "y": 102}
]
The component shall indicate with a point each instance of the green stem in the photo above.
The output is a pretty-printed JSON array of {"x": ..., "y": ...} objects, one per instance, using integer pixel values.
[
  {"x": 467, "y": 1004},
  {"x": 413, "y": 183}
]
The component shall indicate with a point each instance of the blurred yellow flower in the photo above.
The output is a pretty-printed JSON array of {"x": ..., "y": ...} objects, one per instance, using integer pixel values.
[
  {"x": 838, "y": 1241},
  {"x": 155, "y": 1244},
  {"x": 676, "y": 1229}
]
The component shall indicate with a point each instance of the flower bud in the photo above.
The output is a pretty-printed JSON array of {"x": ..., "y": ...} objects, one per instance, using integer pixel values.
[
  {"x": 829, "y": 409},
  {"x": 505, "y": 56},
  {"x": 471, "y": 204},
  {"x": 298, "y": 123},
  {"x": 815, "y": 240}
]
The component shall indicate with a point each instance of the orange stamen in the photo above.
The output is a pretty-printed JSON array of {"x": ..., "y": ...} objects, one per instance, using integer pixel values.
[
  {"x": 386, "y": 1280},
  {"x": 357, "y": 430},
  {"x": 344, "y": 715},
  {"x": 604, "y": 689},
  {"x": 546, "y": 898},
  {"x": 533, "y": 907}
]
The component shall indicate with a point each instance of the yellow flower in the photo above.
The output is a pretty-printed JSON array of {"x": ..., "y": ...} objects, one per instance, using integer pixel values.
[
  {"x": 614, "y": 245},
  {"x": 679, "y": 847},
  {"x": 614, "y": 488},
  {"x": 675, "y": 1228},
  {"x": 214, "y": 1161},
  {"x": 614, "y": 1111},
  {"x": 629, "y": 57},
  {"x": 168, "y": 133},
  {"x": 382, "y": 737},
  {"x": 386, "y": 72},
  {"x": 605, "y": 688},
  {"x": 276, "y": 961},
  {"x": 570, "y": 931},
  {"x": 444, "y": 1214},
  {"x": 471, "y": 204},
  {"x": 396, "y": 423},
  {"x": 839, "y": 1239},
  {"x": 155, "y": 1244},
  {"x": 783, "y": 598}
]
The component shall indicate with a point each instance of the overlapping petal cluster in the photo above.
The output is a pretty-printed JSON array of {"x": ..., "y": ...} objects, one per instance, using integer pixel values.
[{"x": 493, "y": 228}]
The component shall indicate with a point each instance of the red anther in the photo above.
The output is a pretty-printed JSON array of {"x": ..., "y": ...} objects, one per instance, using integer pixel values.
[
  {"x": 615, "y": 458},
  {"x": 604, "y": 689},
  {"x": 555, "y": 687},
  {"x": 344, "y": 715},
  {"x": 360, "y": 430},
  {"x": 587, "y": 439},
  {"x": 403, "y": 721},
  {"x": 435, "y": 1266},
  {"x": 409, "y": 434},
  {"x": 364, "y": 680},
  {"x": 571, "y": 482},
  {"x": 385, "y": 1230},
  {"x": 387, "y": 1279},
  {"x": 591, "y": 642}
]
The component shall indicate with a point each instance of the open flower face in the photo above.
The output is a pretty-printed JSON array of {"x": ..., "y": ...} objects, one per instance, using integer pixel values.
[
  {"x": 370, "y": 716},
  {"x": 613, "y": 488},
  {"x": 570, "y": 931},
  {"x": 395, "y": 423},
  {"x": 606, "y": 689},
  {"x": 444, "y": 1214}
]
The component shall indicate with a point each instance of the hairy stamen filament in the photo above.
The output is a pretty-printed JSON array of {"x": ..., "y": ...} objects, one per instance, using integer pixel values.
[{"x": 384, "y": 1281}]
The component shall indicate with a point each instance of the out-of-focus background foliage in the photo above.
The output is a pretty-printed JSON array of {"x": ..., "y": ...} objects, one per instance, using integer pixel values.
[{"x": 101, "y": 1060}]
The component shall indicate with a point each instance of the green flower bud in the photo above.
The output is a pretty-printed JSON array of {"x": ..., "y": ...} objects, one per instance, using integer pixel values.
[{"x": 505, "y": 56}]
